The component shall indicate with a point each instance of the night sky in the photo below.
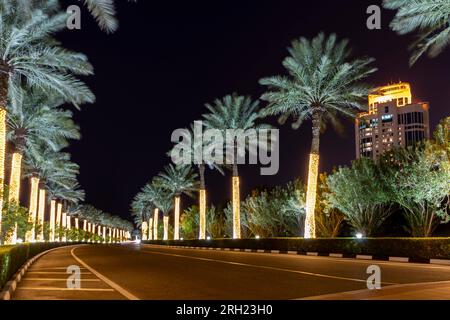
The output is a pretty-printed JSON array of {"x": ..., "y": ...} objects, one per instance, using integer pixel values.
[{"x": 171, "y": 57}]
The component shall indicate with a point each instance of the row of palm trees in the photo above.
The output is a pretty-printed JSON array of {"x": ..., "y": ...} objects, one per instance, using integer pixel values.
[
  {"x": 37, "y": 78},
  {"x": 322, "y": 83}
]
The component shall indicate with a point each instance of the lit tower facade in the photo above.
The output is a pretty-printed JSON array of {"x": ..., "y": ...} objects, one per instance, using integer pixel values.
[{"x": 394, "y": 120}]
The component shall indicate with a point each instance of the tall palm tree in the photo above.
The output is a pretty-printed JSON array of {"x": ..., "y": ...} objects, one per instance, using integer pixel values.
[
  {"x": 177, "y": 180},
  {"x": 142, "y": 211},
  {"x": 198, "y": 148},
  {"x": 430, "y": 18},
  {"x": 322, "y": 83},
  {"x": 234, "y": 112},
  {"x": 30, "y": 55},
  {"x": 36, "y": 120}
]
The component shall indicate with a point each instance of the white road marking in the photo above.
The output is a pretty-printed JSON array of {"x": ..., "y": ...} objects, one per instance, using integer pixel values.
[
  {"x": 59, "y": 279},
  {"x": 111, "y": 283},
  {"x": 265, "y": 267},
  {"x": 51, "y": 272},
  {"x": 55, "y": 268}
]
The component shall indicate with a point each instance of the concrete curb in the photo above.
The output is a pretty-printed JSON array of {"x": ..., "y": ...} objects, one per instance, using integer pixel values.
[
  {"x": 10, "y": 286},
  {"x": 444, "y": 262}
]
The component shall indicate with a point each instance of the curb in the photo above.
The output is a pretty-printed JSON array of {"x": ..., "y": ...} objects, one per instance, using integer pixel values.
[
  {"x": 444, "y": 262},
  {"x": 10, "y": 286}
]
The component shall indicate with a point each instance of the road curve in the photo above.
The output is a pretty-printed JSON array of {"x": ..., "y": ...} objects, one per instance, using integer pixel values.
[{"x": 144, "y": 272}]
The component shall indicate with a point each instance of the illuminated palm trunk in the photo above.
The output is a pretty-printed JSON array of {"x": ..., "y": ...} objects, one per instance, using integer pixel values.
[
  {"x": 202, "y": 204},
  {"x": 77, "y": 226},
  {"x": 32, "y": 210},
  {"x": 313, "y": 174},
  {"x": 3, "y": 104},
  {"x": 236, "y": 202},
  {"x": 14, "y": 190},
  {"x": 60, "y": 221},
  {"x": 150, "y": 229},
  {"x": 64, "y": 224},
  {"x": 41, "y": 213},
  {"x": 155, "y": 223},
  {"x": 52, "y": 219},
  {"x": 176, "y": 234},
  {"x": 104, "y": 234},
  {"x": 144, "y": 230},
  {"x": 166, "y": 227}
]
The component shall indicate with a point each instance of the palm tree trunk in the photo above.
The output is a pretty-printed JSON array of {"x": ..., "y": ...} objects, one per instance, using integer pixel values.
[
  {"x": 4, "y": 78},
  {"x": 150, "y": 228},
  {"x": 32, "y": 210},
  {"x": 41, "y": 212},
  {"x": 144, "y": 230},
  {"x": 236, "y": 202},
  {"x": 166, "y": 227},
  {"x": 59, "y": 221},
  {"x": 176, "y": 234},
  {"x": 155, "y": 223},
  {"x": 202, "y": 203},
  {"x": 52, "y": 219},
  {"x": 313, "y": 173}
]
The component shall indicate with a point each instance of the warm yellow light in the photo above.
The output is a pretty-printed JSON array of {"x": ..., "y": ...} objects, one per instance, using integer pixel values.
[
  {"x": 85, "y": 225},
  {"x": 59, "y": 220},
  {"x": 52, "y": 220},
  {"x": 236, "y": 209},
  {"x": 32, "y": 210},
  {"x": 41, "y": 213},
  {"x": 77, "y": 226},
  {"x": 89, "y": 227},
  {"x": 166, "y": 227},
  {"x": 176, "y": 234},
  {"x": 144, "y": 228},
  {"x": 400, "y": 92},
  {"x": 93, "y": 228},
  {"x": 155, "y": 223},
  {"x": 104, "y": 234},
  {"x": 202, "y": 218},
  {"x": 313, "y": 173},
  {"x": 2, "y": 157},
  {"x": 150, "y": 229},
  {"x": 69, "y": 222},
  {"x": 64, "y": 224},
  {"x": 14, "y": 181}
]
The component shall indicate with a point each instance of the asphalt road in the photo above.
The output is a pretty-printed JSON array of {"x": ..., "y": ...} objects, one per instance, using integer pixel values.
[{"x": 135, "y": 271}]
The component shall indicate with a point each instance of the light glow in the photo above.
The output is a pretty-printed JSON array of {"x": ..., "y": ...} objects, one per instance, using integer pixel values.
[
  {"x": 144, "y": 228},
  {"x": 14, "y": 182},
  {"x": 41, "y": 213},
  {"x": 176, "y": 234},
  {"x": 359, "y": 235},
  {"x": 202, "y": 218},
  {"x": 59, "y": 220},
  {"x": 155, "y": 223},
  {"x": 313, "y": 173},
  {"x": 150, "y": 229},
  {"x": 166, "y": 228},
  {"x": 34, "y": 193},
  {"x": 2, "y": 155},
  {"x": 77, "y": 225},
  {"x": 64, "y": 224},
  {"x": 236, "y": 209},
  {"x": 52, "y": 220}
]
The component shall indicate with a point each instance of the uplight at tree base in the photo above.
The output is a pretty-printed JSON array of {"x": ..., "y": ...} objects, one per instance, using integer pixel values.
[
  {"x": 236, "y": 209},
  {"x": 52, "y": 220},
  {"x": 155, "y": 223},
  {"x": 313, "y": 173},
  {"x": 150, "y": 229},
  {"x": 32, "y": 211},
  {"x": 166, "y": 227},
  {"x": 2, "y": 155},
  {"x": 41, "y": 214},
  {"x": 176, "y": 234},
  {"x": 202, "y": 222},
  {"x": 144, "y": 230}
]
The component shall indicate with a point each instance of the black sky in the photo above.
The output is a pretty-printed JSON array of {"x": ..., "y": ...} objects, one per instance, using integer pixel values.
[{"x": 170, "y": 57}]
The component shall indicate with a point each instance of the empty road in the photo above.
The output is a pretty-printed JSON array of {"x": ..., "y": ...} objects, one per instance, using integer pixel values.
[{"x": 135, "y": 271}]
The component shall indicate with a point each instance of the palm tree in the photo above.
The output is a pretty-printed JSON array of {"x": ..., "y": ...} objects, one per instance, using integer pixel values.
[
  {"x": 322, "y": 84},
  {"x": 429, "y": 17},
  {"x": 142, "y": 211},
  {"x": 234, "y": 112},
  {"x": 35, "y": 120},
  {"x": 103, "y": 11},
  {"x": 30, "y": 55},
  {"x": 177, "y": 180},
  {"x": 197, "y": 148}
]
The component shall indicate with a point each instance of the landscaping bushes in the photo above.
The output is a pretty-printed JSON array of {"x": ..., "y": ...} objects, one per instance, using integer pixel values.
[{"x": 419, "y": 249}]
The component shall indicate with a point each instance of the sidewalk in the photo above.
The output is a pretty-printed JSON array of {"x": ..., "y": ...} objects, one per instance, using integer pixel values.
[{"x": 414, "y": 291}]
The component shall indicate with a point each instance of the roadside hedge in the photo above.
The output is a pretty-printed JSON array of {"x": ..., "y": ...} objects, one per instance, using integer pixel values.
[
  {"x": 13, "y": 257},
  {"x": 418, "y": 249}
]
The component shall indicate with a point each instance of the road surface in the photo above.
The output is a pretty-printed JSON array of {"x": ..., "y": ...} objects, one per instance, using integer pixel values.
[{"x": 134, "y": 271}]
